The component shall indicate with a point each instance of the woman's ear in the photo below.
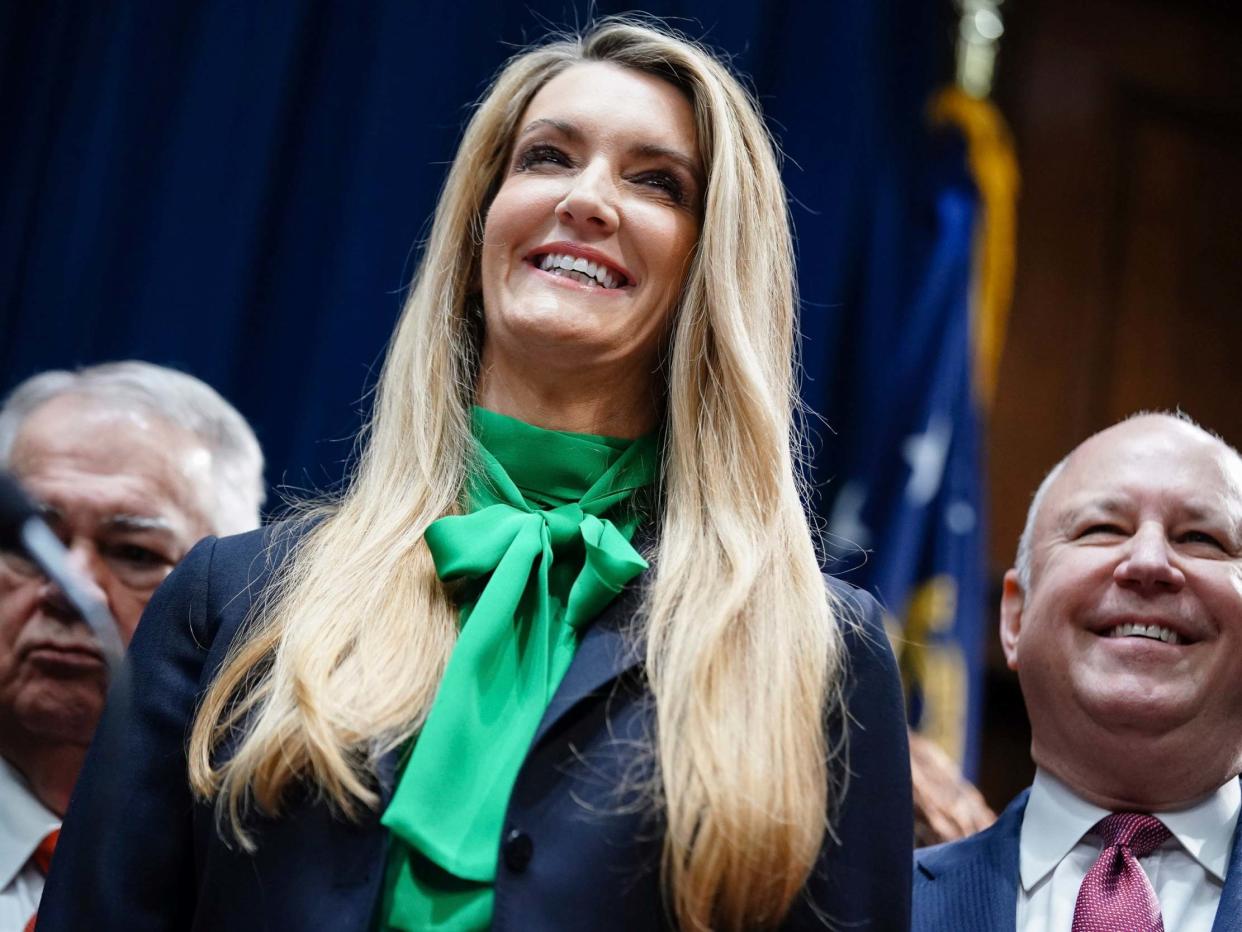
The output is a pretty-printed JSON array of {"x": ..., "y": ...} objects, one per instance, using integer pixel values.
[{"x": 1013, "y": 601}]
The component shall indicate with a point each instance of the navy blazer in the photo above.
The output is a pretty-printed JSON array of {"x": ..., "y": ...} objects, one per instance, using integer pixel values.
[
  {"x": 138, "y": 853},
  {"x": 972, "y": 885}
]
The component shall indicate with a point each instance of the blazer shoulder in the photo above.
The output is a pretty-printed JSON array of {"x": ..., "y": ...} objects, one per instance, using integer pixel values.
[
  {"x": 248, "y": 561},
  {"x": 859, "y": 603},
  {"x": 198, "y": 609},
  {"x": 227, "y": 574},
  {"x": 872, "y": 683},
  {"x": 868, "y": 651}
]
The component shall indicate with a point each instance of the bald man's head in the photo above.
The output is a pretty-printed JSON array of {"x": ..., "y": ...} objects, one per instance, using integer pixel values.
[{"x": 1124, "y": 620}]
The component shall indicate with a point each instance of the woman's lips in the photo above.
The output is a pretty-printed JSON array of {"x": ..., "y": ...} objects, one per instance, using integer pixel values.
[
  {"x": 569, "y": 253},
  {"x": 566, "y": 281}
]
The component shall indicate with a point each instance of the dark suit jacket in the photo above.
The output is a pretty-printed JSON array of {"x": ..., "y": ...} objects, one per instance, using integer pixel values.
[
  {"x": 972, "y": 884},
  {"x": 138, "y": 853}
]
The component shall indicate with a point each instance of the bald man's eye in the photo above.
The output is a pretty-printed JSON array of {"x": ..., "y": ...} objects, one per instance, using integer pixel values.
[
  {"x": 1101, "y": 530},
  {"x": 1200, "y": 537}
]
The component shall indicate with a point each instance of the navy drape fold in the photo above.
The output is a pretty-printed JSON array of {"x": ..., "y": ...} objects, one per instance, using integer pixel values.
[{"x": 239, "y": 189}]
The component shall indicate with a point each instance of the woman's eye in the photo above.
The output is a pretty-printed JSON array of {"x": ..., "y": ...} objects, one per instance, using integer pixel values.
[
  {"x": 541, "y": 154},
  {"x": 664, "y": 182}
]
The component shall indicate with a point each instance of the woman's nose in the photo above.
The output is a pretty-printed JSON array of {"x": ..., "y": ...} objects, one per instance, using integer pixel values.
[
  {"x": 589, "y": 206},
  {"x": 1148, "y": 562}
]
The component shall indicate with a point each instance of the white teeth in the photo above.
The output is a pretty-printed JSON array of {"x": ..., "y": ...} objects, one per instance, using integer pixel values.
[
  {"x": 577, "y": 276},
  {"x": 1158, "y": 632},
  {"x": 595, "y": 271}
]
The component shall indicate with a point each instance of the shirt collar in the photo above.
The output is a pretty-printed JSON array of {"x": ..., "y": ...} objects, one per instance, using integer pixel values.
[
  {"x": 1205, "y": 829},
  {"x": 26, "y": 822},
  {"x": 1054, "y": 821}
]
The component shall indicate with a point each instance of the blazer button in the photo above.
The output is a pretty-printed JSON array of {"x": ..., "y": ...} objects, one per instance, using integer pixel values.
[{"x": 517, "y": 850}]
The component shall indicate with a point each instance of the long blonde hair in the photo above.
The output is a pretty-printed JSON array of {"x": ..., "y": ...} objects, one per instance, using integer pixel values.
[{"x": 343, "y": 654}]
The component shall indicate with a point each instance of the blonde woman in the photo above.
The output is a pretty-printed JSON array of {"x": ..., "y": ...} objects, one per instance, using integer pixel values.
[{"x": 561, "y": 657}]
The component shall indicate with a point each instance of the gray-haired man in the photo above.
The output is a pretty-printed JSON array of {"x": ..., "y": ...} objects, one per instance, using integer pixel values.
[{"x": 131, "y": 464}]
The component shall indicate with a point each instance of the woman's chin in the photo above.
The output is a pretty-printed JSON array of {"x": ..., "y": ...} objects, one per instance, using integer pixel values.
[{"x": 558, "y": 338}]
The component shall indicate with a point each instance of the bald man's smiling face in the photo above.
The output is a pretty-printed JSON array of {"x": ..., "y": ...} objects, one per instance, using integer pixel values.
[{"x": 1132, "y": 624}]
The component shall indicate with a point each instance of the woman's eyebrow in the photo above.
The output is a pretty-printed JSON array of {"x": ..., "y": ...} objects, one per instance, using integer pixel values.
[
  {"x": 654, "y": 151},
  {"x": 568, "y": 130},
  {"x": 573, "y": 133}
]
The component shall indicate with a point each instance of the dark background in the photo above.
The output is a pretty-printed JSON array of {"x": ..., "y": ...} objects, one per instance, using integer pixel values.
[{"x": 238, "y": 189}]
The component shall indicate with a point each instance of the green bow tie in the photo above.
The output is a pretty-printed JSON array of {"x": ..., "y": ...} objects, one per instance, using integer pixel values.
[{"x": 544, "y": 548}]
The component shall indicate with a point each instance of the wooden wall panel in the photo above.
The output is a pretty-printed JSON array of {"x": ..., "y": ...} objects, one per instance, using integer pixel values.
[{"x": 1128, "y": 121}]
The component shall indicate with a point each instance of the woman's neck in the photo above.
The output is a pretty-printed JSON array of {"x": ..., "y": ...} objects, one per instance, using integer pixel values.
[{"x": 604, "y": 406}]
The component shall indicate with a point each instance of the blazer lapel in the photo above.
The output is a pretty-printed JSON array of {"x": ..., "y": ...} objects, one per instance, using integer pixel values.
[
  {"x": 981, "y": 872},
  {"x": 997, "y": 872},
  {"x": 607, "y": 648},
  {"x": 605, "y": 652},
  {"x": 1229, "y": 912}
]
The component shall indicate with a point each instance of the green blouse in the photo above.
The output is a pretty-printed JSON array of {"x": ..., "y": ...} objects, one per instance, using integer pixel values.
[{"x": 544, "y": 547}]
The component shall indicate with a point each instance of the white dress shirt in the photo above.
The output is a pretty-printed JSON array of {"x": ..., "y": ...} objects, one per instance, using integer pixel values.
[
  {"x": 1056, "y": 851},
  {"x": 24, "y": 822}
]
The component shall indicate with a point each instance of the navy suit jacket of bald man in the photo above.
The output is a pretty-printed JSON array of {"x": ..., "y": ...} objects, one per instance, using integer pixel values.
[
  {"x": 139, "y": 854},
  {"x": 972, "y": 885}
]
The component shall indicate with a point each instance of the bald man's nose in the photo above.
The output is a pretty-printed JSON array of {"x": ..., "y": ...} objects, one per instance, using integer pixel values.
[{"x": 1148, "y": 561}]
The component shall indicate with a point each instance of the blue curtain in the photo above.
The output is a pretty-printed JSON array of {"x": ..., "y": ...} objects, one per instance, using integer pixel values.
[{"x": 238, "y": 189}]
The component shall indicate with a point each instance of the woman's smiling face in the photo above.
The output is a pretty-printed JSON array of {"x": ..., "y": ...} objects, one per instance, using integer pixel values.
[{"x": 587, "y": 242}]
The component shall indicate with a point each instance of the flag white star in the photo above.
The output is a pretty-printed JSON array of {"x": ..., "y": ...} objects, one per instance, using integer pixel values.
[
  {"x": 926, "y": 454},
  {"x": 845, "y": 524}
]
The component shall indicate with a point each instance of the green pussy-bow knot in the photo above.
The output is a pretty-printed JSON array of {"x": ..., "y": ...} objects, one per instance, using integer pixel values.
[{"x": 544, "y": 548}]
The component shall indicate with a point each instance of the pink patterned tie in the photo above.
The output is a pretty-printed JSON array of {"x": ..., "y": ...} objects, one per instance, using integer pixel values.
[{"x": 1116, "y": 894}]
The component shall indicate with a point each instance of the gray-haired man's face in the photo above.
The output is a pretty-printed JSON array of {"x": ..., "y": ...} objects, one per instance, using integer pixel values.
[{"x": 128, "y": 495}]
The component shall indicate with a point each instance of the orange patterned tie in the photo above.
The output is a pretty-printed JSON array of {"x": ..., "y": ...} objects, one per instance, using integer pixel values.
[{"x": 42, "y": 859}]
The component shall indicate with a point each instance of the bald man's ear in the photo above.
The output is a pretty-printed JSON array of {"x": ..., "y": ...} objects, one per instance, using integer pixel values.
[{"x": 1013, "y": 601}]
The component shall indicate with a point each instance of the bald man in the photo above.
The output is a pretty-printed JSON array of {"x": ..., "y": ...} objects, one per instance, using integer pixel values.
[{"x": 1123, "y": 619}]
